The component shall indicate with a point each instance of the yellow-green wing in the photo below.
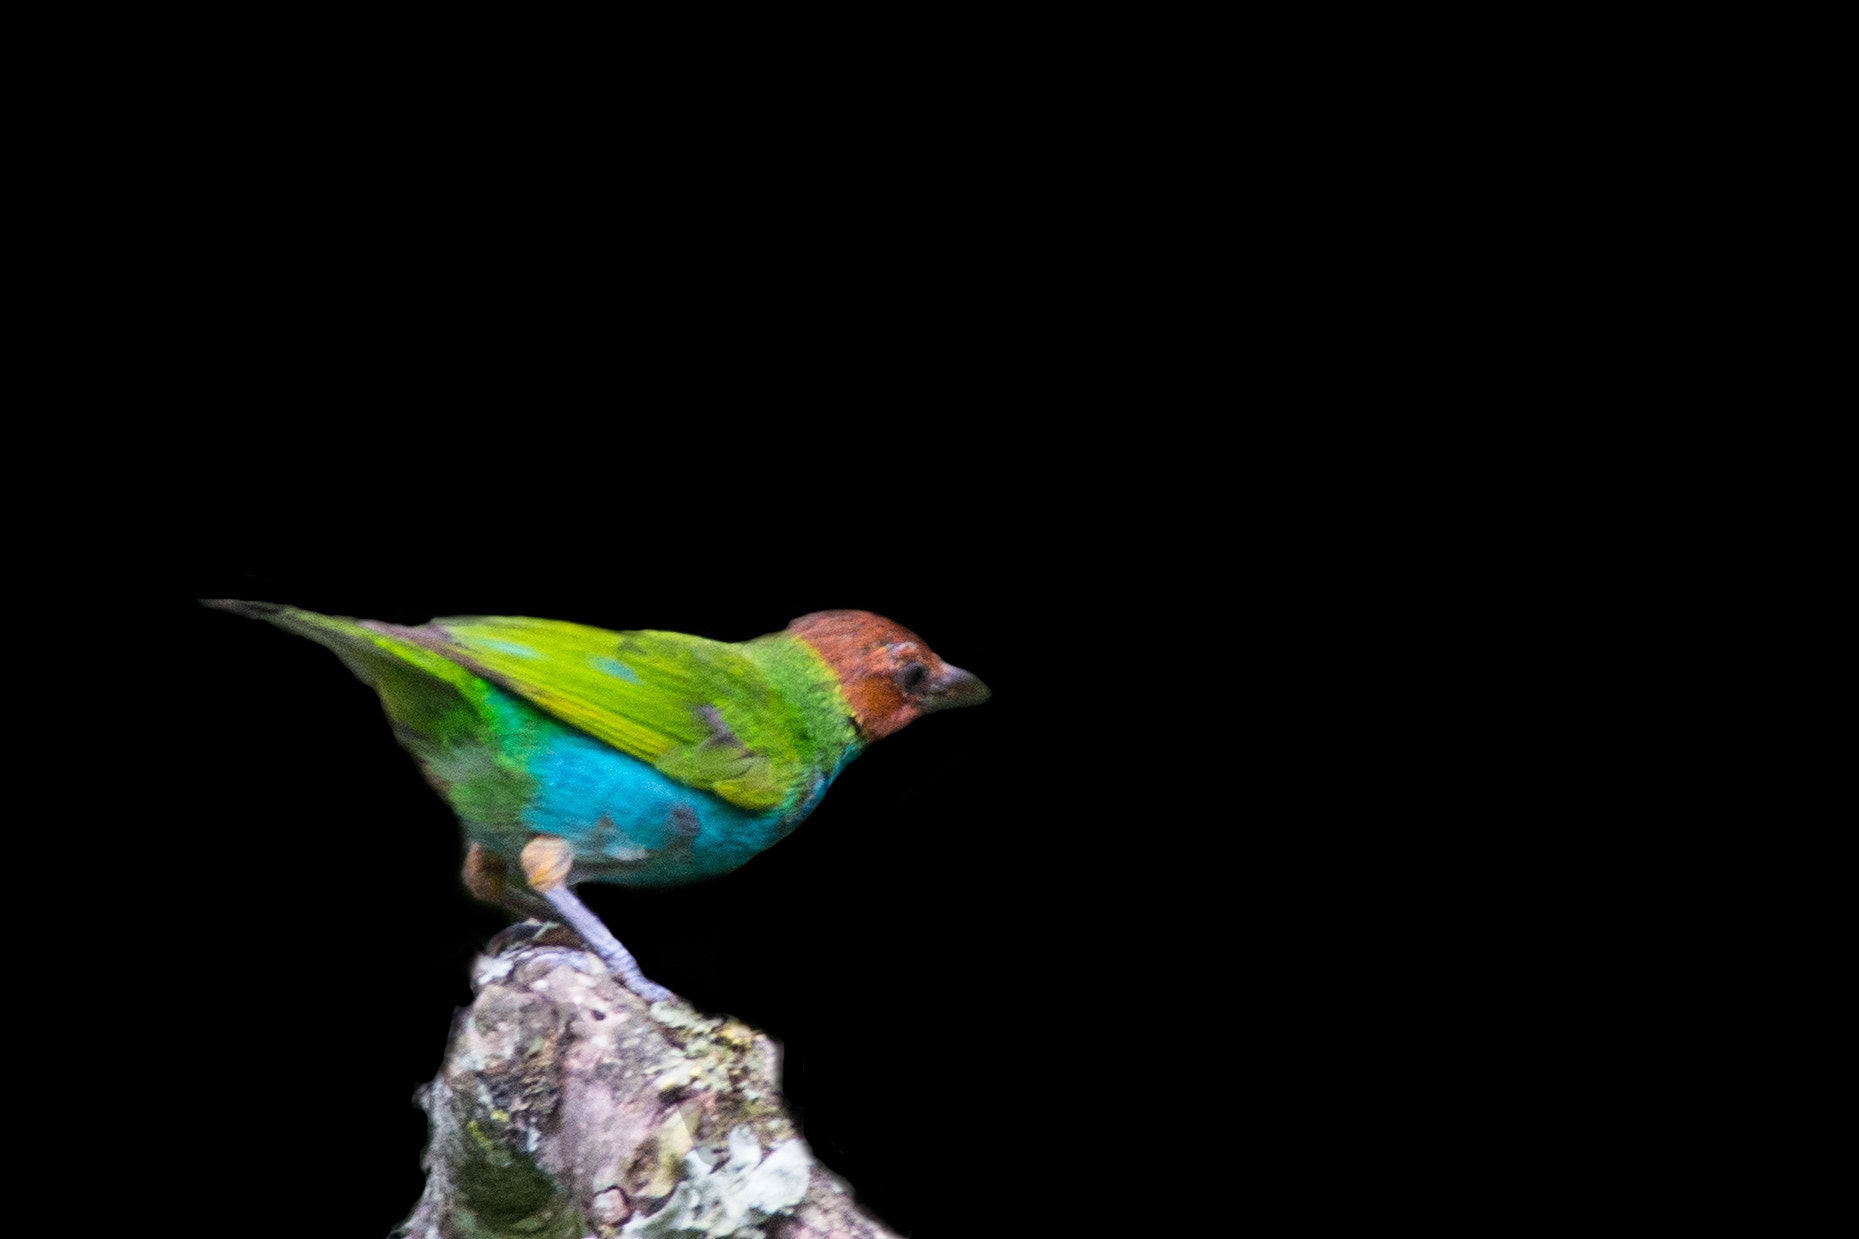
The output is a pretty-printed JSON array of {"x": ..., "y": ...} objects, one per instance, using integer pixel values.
[{"x": 703, "y": 712}]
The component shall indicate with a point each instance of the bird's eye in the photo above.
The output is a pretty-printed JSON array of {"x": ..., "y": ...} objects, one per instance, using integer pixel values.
[{"x": 911, "y": 676}]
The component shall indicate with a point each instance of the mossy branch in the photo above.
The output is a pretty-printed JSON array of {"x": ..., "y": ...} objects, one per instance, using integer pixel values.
[{"x": 568, "y": 1108}]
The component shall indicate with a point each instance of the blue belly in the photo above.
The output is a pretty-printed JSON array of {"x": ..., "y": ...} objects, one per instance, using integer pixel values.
[
  {"x": 631, "y": 825},
  {"x": 515, "y": 772}
]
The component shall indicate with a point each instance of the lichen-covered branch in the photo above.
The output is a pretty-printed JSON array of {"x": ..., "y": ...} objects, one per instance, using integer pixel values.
[{"x": 568, "y": 1108}]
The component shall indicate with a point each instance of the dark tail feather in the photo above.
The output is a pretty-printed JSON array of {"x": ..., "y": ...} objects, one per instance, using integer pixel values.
[
  {"x": 257, "y": 610},
  {"x": 416, "y": 687}
]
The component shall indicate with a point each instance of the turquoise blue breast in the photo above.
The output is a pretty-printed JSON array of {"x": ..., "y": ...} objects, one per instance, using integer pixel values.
[
  {"x": 632, "y": 825},
  {"x": 628, "y": 823}
]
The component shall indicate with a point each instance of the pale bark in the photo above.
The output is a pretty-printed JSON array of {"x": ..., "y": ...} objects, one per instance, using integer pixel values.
[{"x": 566, "y": 1107}]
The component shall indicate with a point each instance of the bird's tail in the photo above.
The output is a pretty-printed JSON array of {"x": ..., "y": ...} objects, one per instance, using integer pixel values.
[
  {"x": 417, "y": 686},
  {"x": 354, "y": 643}
]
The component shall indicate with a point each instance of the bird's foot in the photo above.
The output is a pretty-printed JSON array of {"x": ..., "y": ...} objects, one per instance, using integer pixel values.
[
  {"x": 618, "y": 959},
  {"x": 600, "y": 939},
  {"x": 635, "y": 981},
  {"x": 545, "y": 865}
]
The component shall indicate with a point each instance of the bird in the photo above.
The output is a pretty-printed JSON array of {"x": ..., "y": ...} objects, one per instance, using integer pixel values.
[{"x": 641, "y": 758}]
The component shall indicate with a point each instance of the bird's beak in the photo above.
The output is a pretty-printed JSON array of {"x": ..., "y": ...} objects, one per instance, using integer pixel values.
[{"x": 954, "y": 687}]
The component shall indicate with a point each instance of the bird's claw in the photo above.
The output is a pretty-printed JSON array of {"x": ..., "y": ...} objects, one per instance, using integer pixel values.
[
  {"x": 618, "y": 959},
  {"x": 651, "y": 991}
]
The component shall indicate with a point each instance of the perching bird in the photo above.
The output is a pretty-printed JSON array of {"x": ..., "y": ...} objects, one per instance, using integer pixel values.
[{"x": 640, "y": 758}]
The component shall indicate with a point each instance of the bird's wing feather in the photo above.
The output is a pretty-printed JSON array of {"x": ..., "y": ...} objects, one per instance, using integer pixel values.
[{"x": 703, "y": 712}]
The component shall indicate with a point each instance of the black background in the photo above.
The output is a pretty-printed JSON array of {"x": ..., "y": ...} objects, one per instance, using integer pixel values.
[
  {"x": 1153, "y": 929},
  {"x": 1000, "y": 444},
  {"x": 1005, "y": 953}
]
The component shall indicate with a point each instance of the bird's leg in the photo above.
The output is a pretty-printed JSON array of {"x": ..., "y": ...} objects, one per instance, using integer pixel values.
[
  {"x": 546, "y": 861},
  {"x": 486, "y": 878}
]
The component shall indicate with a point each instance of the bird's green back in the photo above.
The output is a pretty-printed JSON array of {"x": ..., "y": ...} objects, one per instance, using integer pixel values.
[{"x": 751, "y": 722}]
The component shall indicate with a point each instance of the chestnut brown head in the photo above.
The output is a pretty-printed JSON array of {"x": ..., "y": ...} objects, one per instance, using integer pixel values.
[{"x": 887, "y": 672}]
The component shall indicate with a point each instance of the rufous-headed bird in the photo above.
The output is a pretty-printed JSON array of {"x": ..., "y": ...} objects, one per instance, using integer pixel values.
[{"x": 640, "y": 758}]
